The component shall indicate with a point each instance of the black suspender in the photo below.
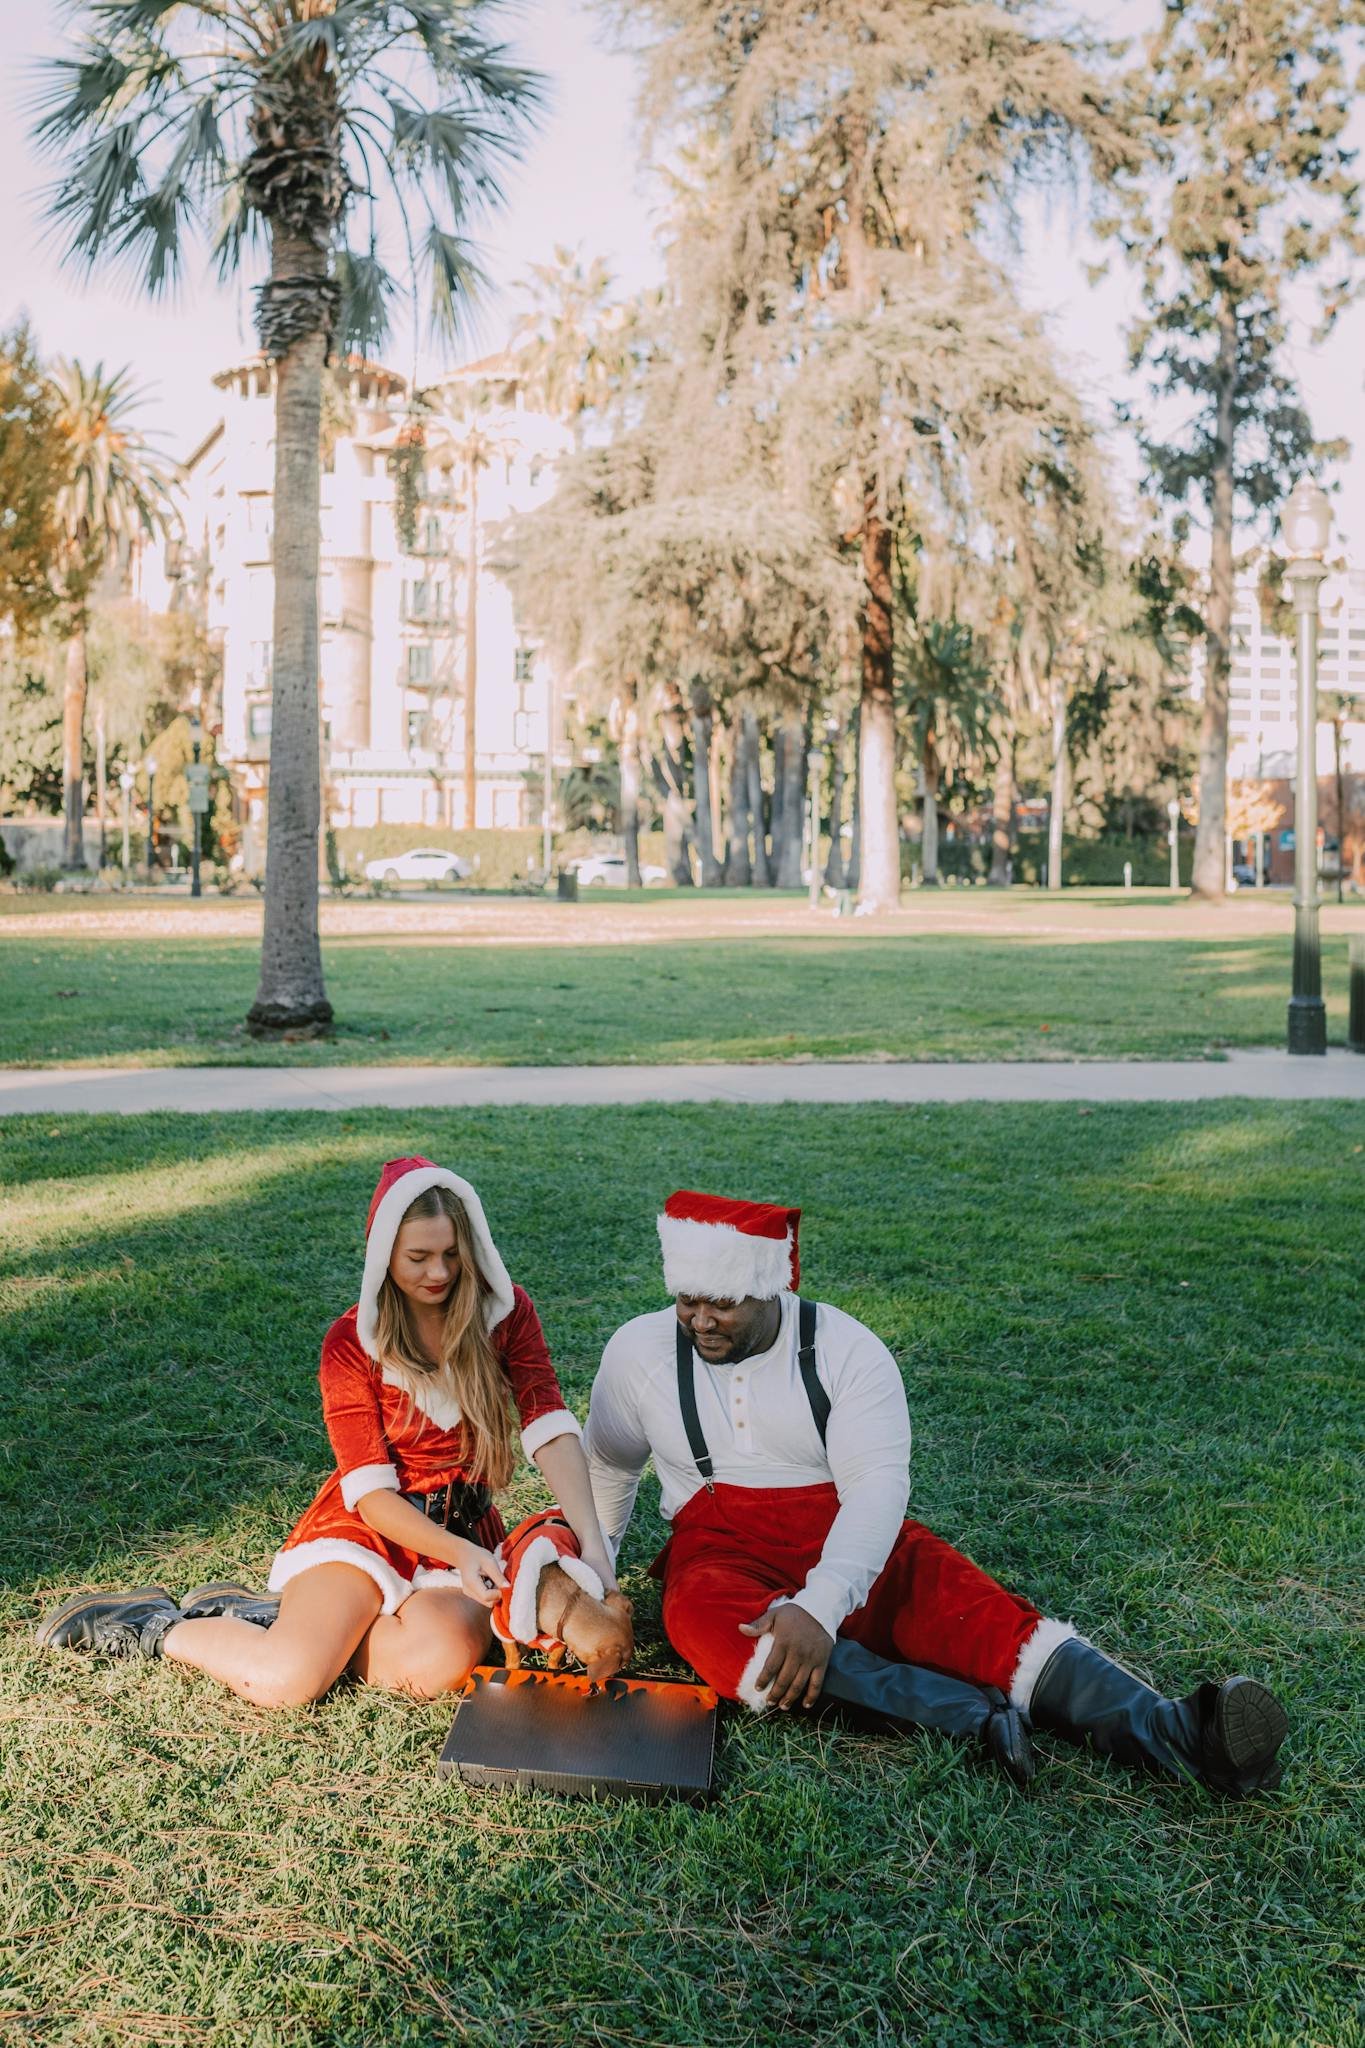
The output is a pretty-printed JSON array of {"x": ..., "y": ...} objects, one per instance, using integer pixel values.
[{"x": 687, "y": 1389}]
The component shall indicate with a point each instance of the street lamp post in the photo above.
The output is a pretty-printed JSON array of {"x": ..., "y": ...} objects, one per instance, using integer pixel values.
[
  {"x": 150, "y": 766},
  {"x": 196, "y": 737},
  {"x": 1307, "y": 529},
  {"x": 1173, "y": 814},
  {"x": 126, "y": 783},
  {"x": 815, "y": 761}
]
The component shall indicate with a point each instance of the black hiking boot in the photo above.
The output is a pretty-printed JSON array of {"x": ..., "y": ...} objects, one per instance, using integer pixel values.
[
  {"x": 111, "y": 1624},
  {"x": 884, "y": 1694},
  {"x": 1225, "y": 1736},
  {"x": 206, "y": 1603}
]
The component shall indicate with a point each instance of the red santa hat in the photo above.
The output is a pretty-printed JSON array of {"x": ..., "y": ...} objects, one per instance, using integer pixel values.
[
  {"x": 401, "y": 1182},
  {"x": 726, "y": 1250}
]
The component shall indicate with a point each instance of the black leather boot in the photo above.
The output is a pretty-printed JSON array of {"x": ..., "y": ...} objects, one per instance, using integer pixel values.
[
  {"x": 910, "y": 1696},
  {"x": 1225, "y": 1736},
  {"x": 206, "y": 1603},
  {"x": 112, "y": 1624}
]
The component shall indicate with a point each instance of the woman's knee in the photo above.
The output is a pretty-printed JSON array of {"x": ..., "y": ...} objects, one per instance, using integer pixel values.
[
  {"x": 294, "y": 1677},
  {"x": 437, "y": 1657}
]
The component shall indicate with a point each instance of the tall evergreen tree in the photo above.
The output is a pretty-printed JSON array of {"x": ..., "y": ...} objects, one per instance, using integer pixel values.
[
  {"x": 287, "y": 118},
  {"x": 32, "y": 471},
  {"x": 1247, "y": 191}
]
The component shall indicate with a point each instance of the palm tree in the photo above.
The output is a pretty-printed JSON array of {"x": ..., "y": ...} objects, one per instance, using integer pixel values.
[
  {"x": 116, "y": 490},
  {"x": 287, "y": 118}
]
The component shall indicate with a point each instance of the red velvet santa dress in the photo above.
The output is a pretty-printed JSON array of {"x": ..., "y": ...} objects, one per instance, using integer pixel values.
[{"x": 415, "y": 1444}]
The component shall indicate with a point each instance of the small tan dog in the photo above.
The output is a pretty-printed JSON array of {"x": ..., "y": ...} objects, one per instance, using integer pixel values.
[{"x": 556, "y": 1603}]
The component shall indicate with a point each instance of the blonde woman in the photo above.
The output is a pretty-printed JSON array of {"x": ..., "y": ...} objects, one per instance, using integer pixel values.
[{"x": 390, "y": 1574}]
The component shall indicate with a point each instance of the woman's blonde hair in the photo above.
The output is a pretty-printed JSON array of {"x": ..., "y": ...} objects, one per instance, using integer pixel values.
[{"x": 469, "y": 1370}]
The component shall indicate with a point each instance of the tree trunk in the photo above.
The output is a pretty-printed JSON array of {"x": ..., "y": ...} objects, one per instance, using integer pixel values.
[
  {"x": 792, "y": 814},
  {"x": 834, "y": 865},
  {"x": 630, "y": 781},
  {"x": 73, "y": 747},
  {"x": 739, "y": 872},
  {"x": 1056, "y": 813},
  {"x": 753, "y": 759},
  {"x": 928, "y": 846},
  {"x": 1002, "y": 814},
  {"x": 292, "y": 995},
  {"x": 1210, "y": 854},
  {"x": 471, "y": 656},
  {"x": 101, "y": 780},
  {"x": 703, "y": 721},
  {"x": 670, "y": 773},
  {"x": 854, "y": 867},
  {"x": 879, "y": 850}
]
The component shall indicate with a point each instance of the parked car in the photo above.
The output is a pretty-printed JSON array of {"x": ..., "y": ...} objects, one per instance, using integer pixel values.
[
  {"x": 608, "y": 871},
  {"x": 419, "y": 864}
]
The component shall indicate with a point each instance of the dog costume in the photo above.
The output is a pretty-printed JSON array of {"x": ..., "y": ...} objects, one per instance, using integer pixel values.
[
  {"x": 415, "y": 1444},
  {"x": 785, "y": 1477}
]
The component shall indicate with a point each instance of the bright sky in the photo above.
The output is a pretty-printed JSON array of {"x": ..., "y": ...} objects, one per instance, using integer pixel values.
[{"x": 580, "y": 186}]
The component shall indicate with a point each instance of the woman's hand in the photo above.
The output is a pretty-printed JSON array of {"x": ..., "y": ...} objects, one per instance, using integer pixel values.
[
  {"x": 481, "y": 1576},
  {"x": 602, "y": 1565}
]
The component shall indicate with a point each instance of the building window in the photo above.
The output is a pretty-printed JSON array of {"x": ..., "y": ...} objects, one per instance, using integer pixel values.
[
  {"x": 417, "y": 731},
  {"x": 258, "y": 665},
  {"x": 1240, "y": 696},
  {"x": 431, "y": 536},
  {"x": 419, "y": 663},
  {"x": 524, "y": 663},
  {"x": 258, "y": 721}
]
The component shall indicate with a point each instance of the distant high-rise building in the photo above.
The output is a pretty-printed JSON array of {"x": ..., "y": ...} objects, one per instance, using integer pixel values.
[{"x": 1262, "y": 708}]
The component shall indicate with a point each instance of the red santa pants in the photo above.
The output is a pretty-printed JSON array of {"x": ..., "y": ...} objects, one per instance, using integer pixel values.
[{"x": 733, "y": 1552}]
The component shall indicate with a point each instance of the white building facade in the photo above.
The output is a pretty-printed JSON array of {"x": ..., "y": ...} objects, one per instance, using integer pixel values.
[
  {"x": 1262, "y": 711},
  {"x": 394, "y": 644}
]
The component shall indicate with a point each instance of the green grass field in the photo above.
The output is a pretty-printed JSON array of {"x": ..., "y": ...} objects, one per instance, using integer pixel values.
[
  {"x": 1132, "y": 1341},
  {"x": 736, "y": 996}
]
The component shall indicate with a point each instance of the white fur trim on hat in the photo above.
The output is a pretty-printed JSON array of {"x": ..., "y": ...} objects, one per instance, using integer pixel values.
[
  {"x": 545, "y": 1428},
  {"x": 301, "y": 1557},
  {"x": 721, "y": 1263},
  {"x": 367, "y": 1479},
  {"x": 1048, "y": 1636},
  {"x": 388, "y": 1218}
]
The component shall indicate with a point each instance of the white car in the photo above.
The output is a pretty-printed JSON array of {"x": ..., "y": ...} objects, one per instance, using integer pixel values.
[
  {"x": 608, "y": 871},
  {"x": 419, "y": 864}
]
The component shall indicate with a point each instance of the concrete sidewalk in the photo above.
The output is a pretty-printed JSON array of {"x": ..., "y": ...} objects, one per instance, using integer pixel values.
[{"x": 1257, "y": 1076}]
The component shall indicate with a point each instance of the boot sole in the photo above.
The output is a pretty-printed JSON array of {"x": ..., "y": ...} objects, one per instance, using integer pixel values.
[
  {"x": 1250, "y": 1723},
  {"x": 48, "y": 1631}
]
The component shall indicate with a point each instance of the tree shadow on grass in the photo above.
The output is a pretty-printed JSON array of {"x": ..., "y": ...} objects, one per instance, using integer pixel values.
[{"x": 1129, "y": 1336}]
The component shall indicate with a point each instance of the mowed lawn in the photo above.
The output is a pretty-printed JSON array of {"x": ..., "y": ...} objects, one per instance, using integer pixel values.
[
  {"x": 1132, "y": 1343},
  {"x": 142, "y": 1000}
]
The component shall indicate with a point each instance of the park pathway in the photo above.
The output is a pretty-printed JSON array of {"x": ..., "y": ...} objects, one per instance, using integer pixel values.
[{"x": 129, "y": 1091}]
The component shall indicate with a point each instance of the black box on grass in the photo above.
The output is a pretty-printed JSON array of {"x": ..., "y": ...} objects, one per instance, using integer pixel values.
[{"x": 637, "y": 1738}]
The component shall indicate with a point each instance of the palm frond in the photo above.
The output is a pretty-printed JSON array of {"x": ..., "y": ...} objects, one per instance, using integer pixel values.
[
  {"x": 453, "y": 146},
  {"x": 456, "y": 282},
  {"x": 366, "y": 289}
]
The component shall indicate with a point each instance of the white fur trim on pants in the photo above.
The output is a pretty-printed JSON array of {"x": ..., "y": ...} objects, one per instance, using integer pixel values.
[
  {"x": 747, "y": 1689},
  {"x": 1045, "y": 1639},
  {"x": 720, "y": 1263},
  {"x": 301, "y": 1557}
]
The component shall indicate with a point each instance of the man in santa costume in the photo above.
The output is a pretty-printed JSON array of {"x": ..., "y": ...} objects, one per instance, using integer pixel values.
[{"x": 780, "y": 1435}]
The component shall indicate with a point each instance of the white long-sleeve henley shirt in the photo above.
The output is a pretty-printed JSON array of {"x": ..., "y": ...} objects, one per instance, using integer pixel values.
[{"x": 760, "y": 1432}]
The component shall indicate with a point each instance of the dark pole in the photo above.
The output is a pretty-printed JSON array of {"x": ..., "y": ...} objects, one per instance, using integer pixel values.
[
  {"x": 195, "y": 889},
  {"x": 1307, "y": 1011},
  {"x": 151, "y": 815}
]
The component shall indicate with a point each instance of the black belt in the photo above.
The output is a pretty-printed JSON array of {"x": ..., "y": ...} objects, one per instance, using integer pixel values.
[
  {"x": 460, "y": 1506},
  {"x": 687, "y": 1390}
]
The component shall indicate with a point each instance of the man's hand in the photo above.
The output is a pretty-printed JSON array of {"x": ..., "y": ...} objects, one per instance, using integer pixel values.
[{"x": 795, "y": 1670}]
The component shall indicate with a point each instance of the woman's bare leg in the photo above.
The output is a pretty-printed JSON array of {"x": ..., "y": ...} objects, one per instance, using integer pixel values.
[
  {"x": 324, "y": 1613},
  {"x": 428, "y": 1647}
]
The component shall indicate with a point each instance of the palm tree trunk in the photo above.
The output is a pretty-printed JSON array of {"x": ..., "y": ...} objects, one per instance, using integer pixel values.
[
  {"x": 292, "y": 995},
  {"x": 671, "y": 774},
  {"x": 739, "y": 872},
  {"x": 1056, "y": 813},
  {"x": 1002, "y": 814},
  {"x": 471, "y": 656},
  {"x": 1210, "y": 855},
  {"x": 753, "y": 761},
  {"x": 854, "y": 866},
  {"x": 787, "y": 840},
  {"x": 73, "y": 741},
  {"x": 834, "y": 865},
  {"x": 630, "y": 782},
  {"x": 703, "y": 720},
  {"x": 879, "y": 847},
  {"x": 929, "y": 829}
]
